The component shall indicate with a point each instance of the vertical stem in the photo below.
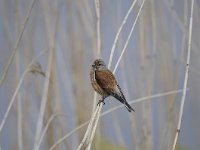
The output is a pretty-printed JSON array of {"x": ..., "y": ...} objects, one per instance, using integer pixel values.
[
  {"x": 51, "y": 30},
  {"x": 17, "y": 43},
  {"x": 94, "y": 127},
  {"x": 43, "y": 103},
  {"x": 118, "y": 33},
  {"x": 186, "y": 77},
  {"x": 97, "y": 8},
  {"x": 88, "y": 129},
  {"x": 19, "y": 109},
  {"x": 129, "y": 36},
  {"x": 12, "y": 100}
]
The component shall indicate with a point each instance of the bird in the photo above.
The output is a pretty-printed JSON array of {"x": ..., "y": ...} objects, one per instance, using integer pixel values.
[{"x": 104, "y": 83}]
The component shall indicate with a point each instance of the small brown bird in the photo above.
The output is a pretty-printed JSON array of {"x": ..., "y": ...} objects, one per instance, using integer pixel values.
[{"x": 104, "y": 83}]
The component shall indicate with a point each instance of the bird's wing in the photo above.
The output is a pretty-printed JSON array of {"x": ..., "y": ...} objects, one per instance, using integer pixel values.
[
  {"x": 106, "y": 80},
  {"x": 108, "y": 83}
]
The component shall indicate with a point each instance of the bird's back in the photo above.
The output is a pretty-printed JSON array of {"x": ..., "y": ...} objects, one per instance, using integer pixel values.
[{"x": 106, "y": 80}]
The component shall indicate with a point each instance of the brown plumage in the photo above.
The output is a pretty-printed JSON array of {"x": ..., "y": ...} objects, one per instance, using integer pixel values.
[
  {"x": 95, "y": 85},
  {"x": 104, "y": 83}
]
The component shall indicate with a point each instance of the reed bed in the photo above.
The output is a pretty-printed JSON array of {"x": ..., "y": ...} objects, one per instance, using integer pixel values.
[{"x": 47, "y": 48}]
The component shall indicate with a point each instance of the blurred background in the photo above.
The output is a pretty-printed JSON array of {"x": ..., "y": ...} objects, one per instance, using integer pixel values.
[{"x": 65, "y": 32}]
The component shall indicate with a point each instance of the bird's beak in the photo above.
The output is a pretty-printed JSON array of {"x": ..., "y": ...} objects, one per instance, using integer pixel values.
[{"x": 93, "y": 65}]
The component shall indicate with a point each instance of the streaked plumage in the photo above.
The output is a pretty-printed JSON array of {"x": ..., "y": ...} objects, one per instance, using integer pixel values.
[{"x": 104, "y": 83}]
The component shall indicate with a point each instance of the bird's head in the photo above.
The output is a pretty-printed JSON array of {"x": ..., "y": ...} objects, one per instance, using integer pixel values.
[{"x": 99, "y": 64}]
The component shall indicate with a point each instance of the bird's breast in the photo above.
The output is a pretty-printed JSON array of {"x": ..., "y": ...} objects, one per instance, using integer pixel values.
[{"x": 95, "y": 85}]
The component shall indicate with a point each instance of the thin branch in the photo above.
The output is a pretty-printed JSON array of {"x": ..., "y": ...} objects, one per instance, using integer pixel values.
[
  {"x": 68, "y": 134},
  {"x": 19, "y": 107},
  {"x": 17, "y": 89},
  {"x": 118, "y": 33},
  {"x": 43, "y": 103},
  {"x": 87, "y": 133},
  {"x": 89, "y": 142},
  {"x": 97, "y": 8},
  {"x": 95, "y": 101},
  {"x": 88, "y": 129},
  {"x": 17, "y": 44},
  {"x": 19, "y": 123},
  {"x": 151, "y": 97},
  {"x": 129, "y": 36},
  {"x": 186, "y": 77},
  {"x": 143, "y": 99},
  {"x": 183, "y": 40},
  {"x": 51, "y": 33},
  {"x": 177, "y": 19},
  {"x": 47, "y": 126}
]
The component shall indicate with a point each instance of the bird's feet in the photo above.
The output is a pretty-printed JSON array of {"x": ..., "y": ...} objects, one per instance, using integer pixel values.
[{"x": 100, "y": 101}]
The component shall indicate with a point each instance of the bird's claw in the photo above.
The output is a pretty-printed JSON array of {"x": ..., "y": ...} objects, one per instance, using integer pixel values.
[{"x": 100, "y": 101}]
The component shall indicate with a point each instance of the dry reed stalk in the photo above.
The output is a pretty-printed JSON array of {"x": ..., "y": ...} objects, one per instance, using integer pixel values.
[
  {"x": 97, "y": 8},
  {"x": 148, "y": 81},
  {"x": 99, "y": 53},
  {"x": 86, "y": 136},
  {"x": 184, "y": 31},
  {"x": 47, "y": 126},
  {"x": 129, "y": 36},
  {"x": 93, "y": 128},
  {"x": 89, "y": 142},
  {"x": 51, "y": 31},
  {"x": 5, "y": 71},
  {"x": 17, "y": 89},
  {"x": 118, "y": 33},
  {"x": 115, "y": 119},
  {"x": 186, "y": 77},
  {"x": 87, "y": 133},
  {"x": 94, "y": 101},
  {"x": 180, "y": 24},
  {"x": 19, "y": 107},
  {"x": 113, "y": 109},
  {"x": 43, "y": 103},
  {"x": 67, "y": 135},
  {"x": 173, "y": 39},
  {"x": 61, "y": 108}
]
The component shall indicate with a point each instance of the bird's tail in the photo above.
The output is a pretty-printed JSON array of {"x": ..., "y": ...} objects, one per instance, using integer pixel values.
[
  {"x": 128, "y": 107},
  {"x": 120, "y": 96}
]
